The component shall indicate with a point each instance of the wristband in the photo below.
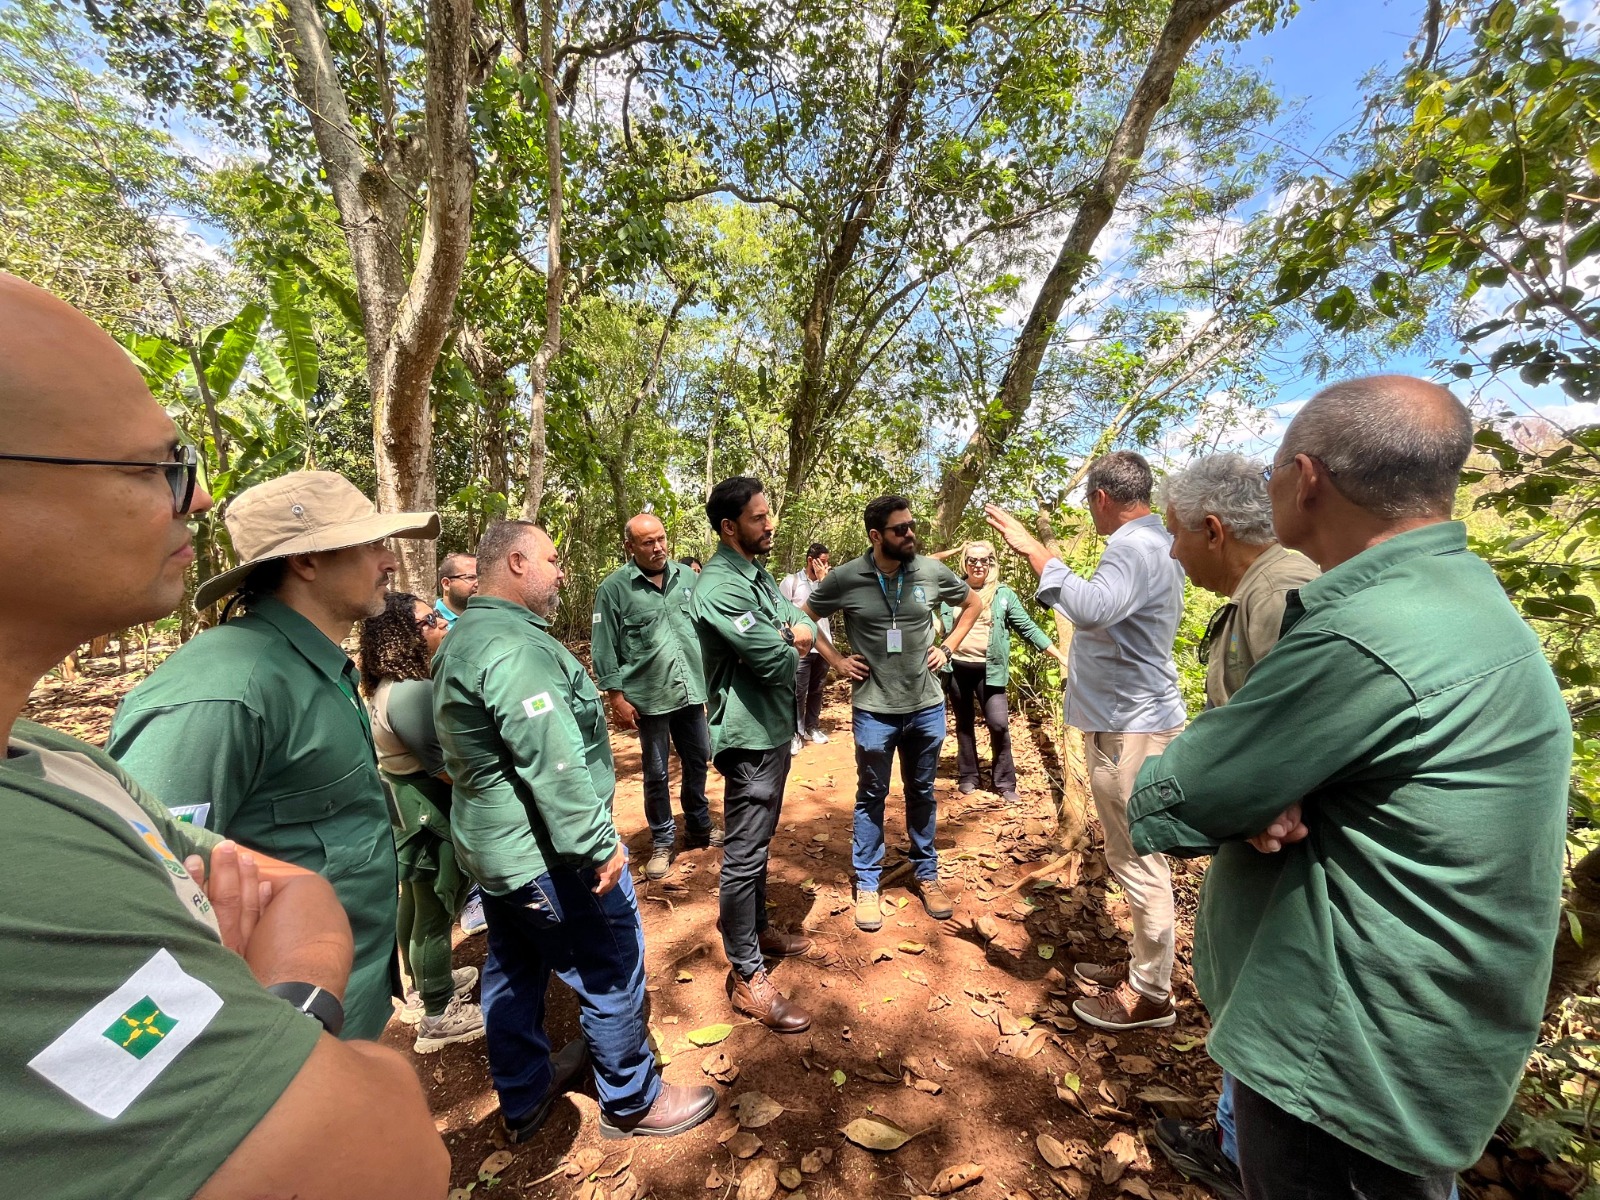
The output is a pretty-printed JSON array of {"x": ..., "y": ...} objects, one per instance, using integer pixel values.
[{"x": 314, "y": 1002}]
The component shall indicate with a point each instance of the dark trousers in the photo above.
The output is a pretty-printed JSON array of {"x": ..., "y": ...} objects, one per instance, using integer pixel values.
[
  {"x": 596, "y": 945},
  {"x": 686, "y": 728},
  {"x": 1284, "y": 1158},
  {"x": 809, "y": 678},
  {"x": 967, "y": 688},
  {"x": 750, "y": 808}
]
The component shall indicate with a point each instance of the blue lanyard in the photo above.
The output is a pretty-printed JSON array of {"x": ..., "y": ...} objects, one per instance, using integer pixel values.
[{"x": 899, "y": 585}]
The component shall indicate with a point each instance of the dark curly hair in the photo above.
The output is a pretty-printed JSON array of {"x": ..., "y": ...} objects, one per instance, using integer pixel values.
[{"x": 392, "y": 645}]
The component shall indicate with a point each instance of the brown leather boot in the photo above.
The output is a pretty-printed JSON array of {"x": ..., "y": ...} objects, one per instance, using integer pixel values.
[
  {"x": 775, "y": 943},
  {"x": 760, "y": 998},
  {"x": 675, "y": 1110}
]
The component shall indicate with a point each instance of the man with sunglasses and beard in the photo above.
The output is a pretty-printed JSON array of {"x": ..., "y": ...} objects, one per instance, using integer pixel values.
[{"x": 889, "y": 596}]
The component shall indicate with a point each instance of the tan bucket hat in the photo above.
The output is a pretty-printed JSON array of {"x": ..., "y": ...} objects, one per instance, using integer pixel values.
[{"x": 304, "y": 512}]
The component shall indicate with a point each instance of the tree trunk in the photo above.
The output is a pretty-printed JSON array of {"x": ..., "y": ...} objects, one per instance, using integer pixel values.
[
  {"x": 405, "y": 321},
  {"x": 1577, "y": 963},
  {"x": 497, "y": 394},
  {"x": 1186, "y": 21},
  {"x": 555, "y": 275}
]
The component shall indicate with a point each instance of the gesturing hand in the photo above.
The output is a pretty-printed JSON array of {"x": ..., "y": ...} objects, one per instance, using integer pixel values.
[
  {"x": 1286, "y": 829},
  {"x": 236, "y": 890},
  {"x": 1012, "y": 531}
]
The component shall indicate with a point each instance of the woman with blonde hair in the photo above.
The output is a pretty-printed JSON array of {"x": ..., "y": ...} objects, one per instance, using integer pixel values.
[{"x": 981, "y": 669}]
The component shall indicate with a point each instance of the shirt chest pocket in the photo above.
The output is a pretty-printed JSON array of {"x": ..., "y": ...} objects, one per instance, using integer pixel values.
[
  {"x": 333, "y": 829},
  {"x": 639, "y": 633},
  {"x": 590, "y": 715}
]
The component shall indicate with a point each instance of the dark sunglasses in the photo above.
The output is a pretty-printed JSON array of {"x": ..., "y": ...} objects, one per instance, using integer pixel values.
[
  {"x": 902, "y": 529},
  {"x": 433, "y": 620},
  {"x": 181, "y": 473}
]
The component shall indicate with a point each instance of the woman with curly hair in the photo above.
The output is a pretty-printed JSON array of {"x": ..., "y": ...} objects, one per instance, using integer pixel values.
[{"x": 397, "y": 648}]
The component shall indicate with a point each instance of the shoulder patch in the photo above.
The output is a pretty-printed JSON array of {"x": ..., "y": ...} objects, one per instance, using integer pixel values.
[
  {"x": 596, "y": 620},
  {"x": 745, "y": 623},
  {"x": 192, "y": 814},
  {"x": 537, "y": 706},
  {"x": 111, "y": 1054}
]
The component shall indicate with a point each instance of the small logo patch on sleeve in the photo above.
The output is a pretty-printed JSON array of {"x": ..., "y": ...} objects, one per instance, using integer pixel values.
[
  {"x": 596, "y": 620},
  {"x": 745, "y": 623},
  {"x": 116, "y": 1050},
  {"x": 192, "y": 814},
  {"x": 537, "y": 706}
]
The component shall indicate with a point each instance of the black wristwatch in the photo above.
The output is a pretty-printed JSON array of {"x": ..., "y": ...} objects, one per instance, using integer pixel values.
[
  {"x": 314, "y": 1002},
  {"x": 788, "y": 635}
]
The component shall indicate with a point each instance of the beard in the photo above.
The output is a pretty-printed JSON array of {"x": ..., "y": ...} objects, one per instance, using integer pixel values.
[
  {"x": 544, "y": 601},
  {"x": 904, "y": 552},
  {"x": 760, "y": 545}
]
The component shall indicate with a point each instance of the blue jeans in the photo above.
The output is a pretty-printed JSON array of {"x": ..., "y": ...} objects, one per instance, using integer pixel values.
[
  {"x": 1225, "y": 1125},
  {"x": 596, "y": 945},
  {"x": 687, "y": 730},
  {"x": 918, "y": 737}
]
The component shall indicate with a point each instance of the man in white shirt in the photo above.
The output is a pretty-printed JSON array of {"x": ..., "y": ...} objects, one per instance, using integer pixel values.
[
  {"x": 812, "y": 673},
  {"x": 1122, "y": 691}
]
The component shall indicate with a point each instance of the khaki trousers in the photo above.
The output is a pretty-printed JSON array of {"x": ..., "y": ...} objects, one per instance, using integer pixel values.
[{"x": 1114, "y": 762}]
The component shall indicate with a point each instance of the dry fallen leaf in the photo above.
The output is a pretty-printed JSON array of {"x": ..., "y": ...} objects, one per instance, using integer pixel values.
[
  {"x": 684, "y": 977},
  {"x": 790, "y": 1178},
  {"x": 1135, "y": 1186},
  {"x": 1171, "y": 1103},
  {"x": 876, "y": 1074},
  {"x": 714, "y": 1179},
  {"x": 1052, "y": 1151},
  {"x": 883, "y": 955},
  {"x": 911, "y": 947},
  {"x": 955, "y": 1178},
  {"x": 1117, "y": 1155},
  {"x": 760, "y": 1181},
  {"x": 626, "y": 1187},
  {"x": 1135, "y": 1064},
  {"x": 1007, "y": 1022},
  {"x": 756, "y": 1109},
  {"x": 877, "y": 1133},
  {"x": 811, "y": 1161},
  {"x": 1072, "y": 1183},
  {"x": 743, "y": 1145},
  {"x": 494, "y": 1164},
  {"x": 720, "y": 1067},
  {"x": 615, "y": 1165}
]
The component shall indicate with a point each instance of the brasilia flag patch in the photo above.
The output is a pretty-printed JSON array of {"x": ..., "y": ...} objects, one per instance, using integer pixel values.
[
  {"x": 537, "y": 706},
  {"x": 745, "y": 623},
  {"x": 112, "y": 1053}
]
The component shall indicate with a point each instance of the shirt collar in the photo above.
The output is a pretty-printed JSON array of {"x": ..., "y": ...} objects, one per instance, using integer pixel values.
[
  {"x": 731, "y": 557},
  {"x": 1263, "y": 560},
  {"x": 313, "y": 645},
  {"x": 1149, "y": 520},
  {"x": 669, "y": 574},
  {"x": 1352, "y": 575},
  {"x": 508, "y": 606}
]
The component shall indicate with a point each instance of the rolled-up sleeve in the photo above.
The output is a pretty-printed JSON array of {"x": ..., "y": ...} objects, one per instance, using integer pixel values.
[{"x": 1114, "y": 592}]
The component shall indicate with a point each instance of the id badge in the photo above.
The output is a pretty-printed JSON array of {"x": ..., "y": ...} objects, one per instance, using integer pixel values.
[{"x": 894, "y": 641}]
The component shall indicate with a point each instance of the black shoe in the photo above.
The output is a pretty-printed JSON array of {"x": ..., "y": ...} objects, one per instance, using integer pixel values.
[
  {"x": 713, "y": 837},
  {"x": 1194, "y": 1151},
  {"x": 564, "y": 1067},
  {"x": 659, "y": 863}
]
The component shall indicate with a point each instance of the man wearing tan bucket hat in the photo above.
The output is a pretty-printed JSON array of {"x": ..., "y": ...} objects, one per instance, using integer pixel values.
[{"x": 254, "y": 729}]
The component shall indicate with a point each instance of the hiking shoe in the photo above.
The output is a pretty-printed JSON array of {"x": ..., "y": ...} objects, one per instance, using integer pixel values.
[
  {"x": 966, "y": 789},
  {"x": 1124, "y": 1008},
  {"x": 869, "y": 915},
  {"x": 676, "y": 1109},
  {"x": 712, "y": 837},
  {"x": 796, "y": 744},
  {"x": 1011, "y": 797},
  {"x": 659, "y": 863},
  {"x": 472, "y": 919},
  {"x": 775, "y": 943},
  {"x": 938, "y": 905},
  {"x": 564, "y": 1067},
  {"x": 461, "y": 1021},
  {"x": 462, "y": 981},
  {"x": 760, "y": 998},
  {"x": 1102, "y": 975},
  {"x": 818, "y": 738},
  {"x": 1195, "y": 1153}
]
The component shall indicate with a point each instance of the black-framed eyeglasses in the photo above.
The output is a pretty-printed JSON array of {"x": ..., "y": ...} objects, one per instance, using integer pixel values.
[
  {"x": 902, "y": 529},
  {"x": 181, "y": 473},
  {"x": 473, "y": 577}
]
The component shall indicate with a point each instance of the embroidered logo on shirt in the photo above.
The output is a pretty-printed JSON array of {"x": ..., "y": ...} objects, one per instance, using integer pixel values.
[
  {"x": 537, "y": 706},
  {"x": 745, "y": 623},
  {"x": 111, "y": 1054},
  {"x": 922, "y": 596}
]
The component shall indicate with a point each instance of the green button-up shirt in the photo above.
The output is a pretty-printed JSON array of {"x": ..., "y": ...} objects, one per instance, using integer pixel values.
[
  {"x": 1390, "y": 984},
  {"x": 749, "y": 668},
  {"x": 525, "y": 744},
  {"x": 253, "y": 729},
  {"x": 645, "y": 645}
]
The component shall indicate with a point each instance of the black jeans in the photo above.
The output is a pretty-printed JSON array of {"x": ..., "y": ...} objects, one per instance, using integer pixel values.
[
  {"x": 967, "y": 687},
  {"x": 689, "y": 733},
  {"x": 1284, "y": 1158},
  {"x": 750, "y": 808},
  {"x": 809, "y": 678}
]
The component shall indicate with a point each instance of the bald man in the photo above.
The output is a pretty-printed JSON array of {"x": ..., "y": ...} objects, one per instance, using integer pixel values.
[
  {"x": 647, "y": 660},
  {"x": 1376, "y": 975},
  {"x": 148, "y": 1052}
]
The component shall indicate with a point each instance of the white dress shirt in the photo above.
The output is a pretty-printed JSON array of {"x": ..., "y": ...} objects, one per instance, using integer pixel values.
[{"x": 1120, "y": 673}]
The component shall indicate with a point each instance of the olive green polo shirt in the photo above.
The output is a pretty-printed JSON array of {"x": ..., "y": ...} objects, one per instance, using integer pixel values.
[
  {"x": 740, "y": 615},
  {"x": 644, "y": 642},
  {"x": 907, "y": 600},
  {"x": 525, "y": 744},
  {"x": 1391, "y": 983},
  {"x": 139, "y": 1050},
  {"x": 253, "y": 729}
]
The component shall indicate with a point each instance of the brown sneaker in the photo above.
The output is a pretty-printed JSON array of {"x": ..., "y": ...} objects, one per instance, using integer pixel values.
[
  {"x": 775, "y": 943},
  {"x": 1124, "y": 1008},
  {"x": 938, "y": 905},
  {"x": 760, "y": 998},
  {"x": 1102, "y": 975},
  {"x": 869, "y": 916},
  {"x": 676, "y": 1109}
]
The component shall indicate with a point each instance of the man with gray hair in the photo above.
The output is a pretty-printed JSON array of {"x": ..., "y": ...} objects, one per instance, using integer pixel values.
[
  {"x": 1376, "y": 978},
  {"x": 1122, "y": 691}
]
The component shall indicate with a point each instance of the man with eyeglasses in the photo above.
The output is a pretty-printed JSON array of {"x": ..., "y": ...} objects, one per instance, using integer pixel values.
[
  {"x": 458, "y": 580},
  {"x": 146, "y": 1052},
  {"x": 1122, "y": 692},
  {"x": 255, "y": 729},
  {"x": 647, "y": 661},
  {"x": 889, "y": 597}
]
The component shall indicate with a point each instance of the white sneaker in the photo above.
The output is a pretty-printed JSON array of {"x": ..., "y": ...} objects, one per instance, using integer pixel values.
[
  {"x": 462, "y": 981},
  {"x": 796, "y": 744},
  {"x": 818, "y": 738},
  {"x": 472, "y": 919},
  {"x": 461, "y": 1021}
]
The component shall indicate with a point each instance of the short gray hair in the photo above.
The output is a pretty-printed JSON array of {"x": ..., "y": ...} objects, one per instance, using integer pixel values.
[
  {"x": 1122, "y": 475},
  {"x": 1228, "y": 487},
  {"x": 1395, "y": 445}
]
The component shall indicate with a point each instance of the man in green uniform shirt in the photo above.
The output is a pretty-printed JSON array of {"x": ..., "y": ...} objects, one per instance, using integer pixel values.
[
  {"x": 647, "y": 661},
  {"x": 525, "y": 744},
  {"x": 254, "y": 729},
  {"x": 1403, "y": 755},
  {"x": 889, "y": 596},
  {"x": 752, "y": 640},
  {"x": 146, "y": 1055}
]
